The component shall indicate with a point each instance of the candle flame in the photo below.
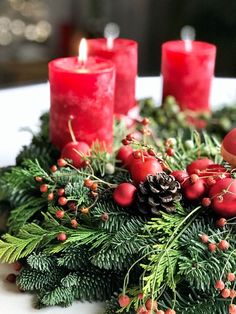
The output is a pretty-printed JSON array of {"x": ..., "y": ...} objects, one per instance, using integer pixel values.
[{"x": 83, "y": 51}]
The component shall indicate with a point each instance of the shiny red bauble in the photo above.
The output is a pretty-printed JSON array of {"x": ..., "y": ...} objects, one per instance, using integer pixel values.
[
  {"x": 75, "y": 152},
  {"x": 143, "y": 167},
  {"x": 198, "y": 164},
  {"x": 123, "y": 154},
  {"x": 180, "y": 175},
  {"x": 223, "y": 196},
  {"x": 228, "y": 148},
  {"x": 124, "y": 194},
  {"x": 194, "y": 191}
]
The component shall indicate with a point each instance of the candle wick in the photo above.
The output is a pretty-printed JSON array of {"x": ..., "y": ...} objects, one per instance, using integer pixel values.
[
  {"x": 111, "y": 32},
  {"x": 187, "y": 34}
]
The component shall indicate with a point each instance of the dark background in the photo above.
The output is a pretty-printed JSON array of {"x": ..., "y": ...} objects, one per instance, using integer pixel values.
[{"x": 32, "y": 32}]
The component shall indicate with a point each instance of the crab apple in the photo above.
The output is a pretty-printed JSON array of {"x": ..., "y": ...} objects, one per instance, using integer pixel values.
[
  {"x": 75, "y": 152},
  {"x": 180, "y": 175},
  {"x": 219, "y": 284},
  {"x": 232, "y": 309},
  {"x": 199, "y": 164},
  {"x": 225, "y": 293},
  {"x": 194, "y": 191},
  {"x": 123, "y": 154},
  {"x": 124, "y": 194},
  {"x": 226, "y": 204},
  {"x": 144, "y": 167},
  {"x": 228, "y": 148},
  {"x": 123, "y": 300},
  {"x": 151, "y": 304}
]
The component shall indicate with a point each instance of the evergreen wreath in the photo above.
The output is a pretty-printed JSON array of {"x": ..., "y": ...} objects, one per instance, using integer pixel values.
[{"x": 78, "y": 234}]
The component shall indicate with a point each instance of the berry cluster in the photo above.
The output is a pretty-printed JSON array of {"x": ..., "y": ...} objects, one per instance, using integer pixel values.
[{"x": 148, "y": 307}]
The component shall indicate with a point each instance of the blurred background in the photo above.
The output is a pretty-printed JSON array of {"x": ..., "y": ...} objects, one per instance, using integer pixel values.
[{"x": 32, "y": 32}]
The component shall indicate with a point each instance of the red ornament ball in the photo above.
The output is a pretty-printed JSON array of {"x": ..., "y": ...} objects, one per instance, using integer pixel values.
[
  {"x": 223, "y": 195},
  {"x": 123, "y": 300},
  {"x": 199, "y": 164},
  {"x": 75, "y": 152},
  {"x": 143, "y": 167},
  {"x": 228, "y": 148},
  {"x": 123, "y": 154},
  {"x": 124, "y": 194},
  {"x": 195, "y": 191}
]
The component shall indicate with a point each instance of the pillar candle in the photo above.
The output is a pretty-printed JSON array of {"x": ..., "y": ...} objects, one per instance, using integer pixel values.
[
  {"x": 123, "y": 53},
  {"x": 84, "y": 92},
  {"x": 187, "y": 72}
]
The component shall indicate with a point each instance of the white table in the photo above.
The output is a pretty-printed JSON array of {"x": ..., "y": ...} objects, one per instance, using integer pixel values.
[{"x": 21, "y": 107}]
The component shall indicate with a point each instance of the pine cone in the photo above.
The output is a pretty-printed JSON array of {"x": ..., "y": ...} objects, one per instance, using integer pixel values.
[{"x": 158, "y": 193}]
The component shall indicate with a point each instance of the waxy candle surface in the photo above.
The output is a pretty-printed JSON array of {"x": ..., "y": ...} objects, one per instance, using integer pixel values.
[
  {"x": 86, "y": 93},
  {"x": 187, "y": 75},
  {"x": 124, "y": 56}
]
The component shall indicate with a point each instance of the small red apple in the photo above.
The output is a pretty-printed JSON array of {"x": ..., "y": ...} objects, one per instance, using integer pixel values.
[
  {"x": 199, "y": 164},
  {"x": 75, "y": 152},
  {"x": 142, "y": 167},
  {"x": 228, "y": 148}
]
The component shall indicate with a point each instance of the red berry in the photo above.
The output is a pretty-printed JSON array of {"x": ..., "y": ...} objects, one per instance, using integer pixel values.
[
  {"x": 204, "y": 238},
  {"x": 206, "y": 201},
  {"x": 123, "y": 154},
  {"x": 223, "y": 245},
  {"x": 232, "y": 309},
  {"x": 17, "y": 266},
  {"x": 94, "y": 186},
  {"x": 72, "y": 206},
  {"x": 160, "y": 312},
  {"x": 125, "y": 142},
  {"x": 180, "y": 175},
  {"x": 151, "y": 152},
  {"x": 223, "y": 195},
  {"x": 211, "y": 181},
  {"x": 60, "y": 214},
  {"x": 194, "y": 178},
  {"x": 88, "y": 183},
  {"x": 11, "y": 278},
  {"x": 142, "y": 310},
  {"x": 199, "y": 164},
  {"x": 74, "y": 223},
  {"x": 38, "y": 179},
  {"x": 124, "y": 194},
  {"x": 225, "y": 293},
  {"x": 212, "y": 247},
  {"x": 129, "y": 137},
  {"x": 170, "y": 311},
  {"x": 54, "y": 168},
  {"x": 60, "y": 192},
  {"x": 105, "y": 217},
  {"x": 75, "y": 151},
  {"x": 231, "y": 276},
  {"x": 61, "y": 162},
  {"x": 124, "y": 300},
  {"x": 61, "y": 236},
  {"x": 137, "y": 154},
  {"x": 145, "y": 121},
  {"x": 140, "y": 296},
  {"x": 43, "y": 188},
  {"x": 170, "y": 152},
  {"x": 195, "y": 191},
  {"x": 219, "y": 284},
  {"x": 232, "y": 294},
  {"x": 50, "y": 196},
  {"x": 151, "y": 304},
  {"x": 62, "y": 200},
  {"x": 221, "y": 222},
  {"x": 142, "y": 168}
]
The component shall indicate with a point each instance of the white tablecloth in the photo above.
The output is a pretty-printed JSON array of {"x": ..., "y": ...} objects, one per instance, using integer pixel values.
[{"x": 21, "y": 107}]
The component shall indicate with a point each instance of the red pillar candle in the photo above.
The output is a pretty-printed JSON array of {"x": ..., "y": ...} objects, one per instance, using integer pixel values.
[
  {"x": 85, "y": 92},
  {"x": 123, "y": 53},
  {"x": 188, "y": 70}
]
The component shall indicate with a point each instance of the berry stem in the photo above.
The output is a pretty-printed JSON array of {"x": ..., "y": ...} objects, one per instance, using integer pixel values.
[{"x": 72, "y": 134}]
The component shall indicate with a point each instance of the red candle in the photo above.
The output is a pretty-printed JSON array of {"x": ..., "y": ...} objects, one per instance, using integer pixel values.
[
  {"x": 188, "y": 69},
  {"x": 85, "y": 91},
  {"x": 123, "y": 53}
]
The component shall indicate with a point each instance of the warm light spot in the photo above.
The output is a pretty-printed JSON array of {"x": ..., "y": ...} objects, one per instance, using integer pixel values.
[{"x": 83, "y": 51}]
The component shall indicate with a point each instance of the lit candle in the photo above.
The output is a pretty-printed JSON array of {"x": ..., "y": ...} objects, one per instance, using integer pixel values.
[
  {"x": 82, "y": 88},
  {"x": 123, "y": 53},
  {"x": 187, "y": 68}
]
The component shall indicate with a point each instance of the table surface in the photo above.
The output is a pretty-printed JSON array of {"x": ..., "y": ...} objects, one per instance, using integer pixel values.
[{"x": 21, "y": 107}]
